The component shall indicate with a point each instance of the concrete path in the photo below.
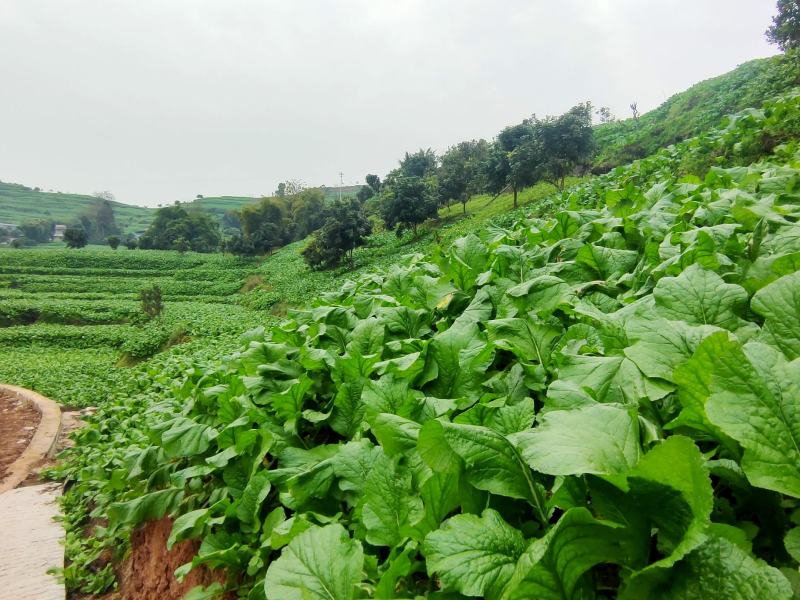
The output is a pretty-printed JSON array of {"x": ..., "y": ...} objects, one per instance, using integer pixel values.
[
  {"x": 30, "y": 543},
  {"x": 30, "y": 540}
]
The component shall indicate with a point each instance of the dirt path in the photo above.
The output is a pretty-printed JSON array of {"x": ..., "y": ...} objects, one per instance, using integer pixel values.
[{"x": 18, "y": 422}]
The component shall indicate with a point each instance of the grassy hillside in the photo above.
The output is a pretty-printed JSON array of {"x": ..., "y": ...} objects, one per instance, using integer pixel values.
[
  {"x": 19, "y": 203},
  {"x": 696, "y": 110}
]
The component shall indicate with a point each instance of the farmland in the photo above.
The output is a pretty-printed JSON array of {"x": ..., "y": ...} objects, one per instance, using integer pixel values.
[
  {"x": 69, "y": 320},
  {"x": 616, "y": 363}
]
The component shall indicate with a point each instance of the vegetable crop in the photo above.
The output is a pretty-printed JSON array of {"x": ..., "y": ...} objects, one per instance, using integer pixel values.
[{"x": 599, "y": 403}]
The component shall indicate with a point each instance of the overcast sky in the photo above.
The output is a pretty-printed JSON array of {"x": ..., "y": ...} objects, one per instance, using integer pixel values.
[{"x": 160, "y": 100}]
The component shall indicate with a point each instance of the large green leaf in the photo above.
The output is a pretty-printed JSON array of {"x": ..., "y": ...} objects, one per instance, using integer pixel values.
[
  {"x": 462, "y": 357},
  {"x": 390, "y": 505},
  {"x": 322, "y": 563},
  {"x": 779, "y": 304},
  {"x": 669, "y": 489},
  {"x": 553, "y": 567},
  {"x": 149, "y": 507},
  {"x": 719, "y": 569},
  {"x": 755, "y": 399},
  {"x": 493, "y": 464},
  {"x": 474, "y": 555},
  {"x": 601, "y": 439},
  {"x": 529, "y": 340},
  {"x": 700, "y": 297}
]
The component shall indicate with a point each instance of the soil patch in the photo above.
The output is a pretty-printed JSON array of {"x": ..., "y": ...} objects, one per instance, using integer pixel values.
[
  {"x": 18, "y": 423},
  {"x": 149, "y": 570}
]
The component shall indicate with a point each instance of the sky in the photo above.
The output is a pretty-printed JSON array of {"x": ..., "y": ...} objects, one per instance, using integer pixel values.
[{"x": 161, "y": 100}]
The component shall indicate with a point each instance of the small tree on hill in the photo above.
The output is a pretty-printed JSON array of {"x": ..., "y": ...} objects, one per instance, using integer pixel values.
[
  {"x": 461, "y": 171},
  {"x": 346, "y": 227},
  {"x": 565, "y": 143},
  {"x": 152, "y": 303},
  {"x": 407, "y": 202},
  {"x": 785, "y": 28},
  {"x": 75, "y": 237},
  {"x": 512, "y": 160},
  {"x": 131, "y": 243},
  {"x": 113, "y": 241}
]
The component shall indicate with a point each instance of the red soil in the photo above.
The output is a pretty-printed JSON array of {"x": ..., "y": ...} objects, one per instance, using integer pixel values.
[{"x": 18, "y": 423}]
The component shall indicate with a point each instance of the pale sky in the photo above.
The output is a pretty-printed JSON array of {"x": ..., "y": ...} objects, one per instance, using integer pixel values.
[{"x": 160, "y": 100}]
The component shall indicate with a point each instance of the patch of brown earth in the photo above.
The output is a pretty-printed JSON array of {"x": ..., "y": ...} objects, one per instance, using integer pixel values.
[
  {"x": 18, "y": 423},
  {"x": 148, "y": 573}
]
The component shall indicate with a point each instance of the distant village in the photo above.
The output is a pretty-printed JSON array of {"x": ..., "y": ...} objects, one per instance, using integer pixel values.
[{"x": 11, "y": 233}]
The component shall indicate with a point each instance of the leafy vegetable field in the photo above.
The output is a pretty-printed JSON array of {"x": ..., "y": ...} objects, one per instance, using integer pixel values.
[
  {"x": 603, "y": 402},
  {"x": 67, "y": 317}
]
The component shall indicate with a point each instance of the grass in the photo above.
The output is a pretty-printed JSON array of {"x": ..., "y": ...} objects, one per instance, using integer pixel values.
[{"x": 19, "y": 204}]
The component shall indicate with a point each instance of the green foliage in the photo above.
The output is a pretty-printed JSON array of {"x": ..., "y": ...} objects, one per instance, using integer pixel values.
[
  {"x": 785, "y": 28},
  {"x": 113, "y": 241},
  {"x": 345, "y": 228},
  {"x": 37, "y": 230},
  {"x": 564, "y": 143},
  {"x": 152, "y": 302},
  {"x": 75, "y": 237},
  {"x": 461, "y": 174},
  {"x": 175, "y": 228},
  {"x": 597, "y": 401},
  {"x": 407, "y": 202},
  {"x": 694, "y": 111}
]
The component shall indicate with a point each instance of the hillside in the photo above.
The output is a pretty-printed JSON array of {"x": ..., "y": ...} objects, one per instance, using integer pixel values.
[
  {"x": 593, "y": 396},
  {"x": 695, "y": 110},
  {"x": 19, "y": 203}
]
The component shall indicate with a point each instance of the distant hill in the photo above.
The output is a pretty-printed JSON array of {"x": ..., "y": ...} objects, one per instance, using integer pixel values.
[
  {"x": 695, "y": 110},
  {"x": 332, "y": 193},
  {"x": 19, "y": 203}
]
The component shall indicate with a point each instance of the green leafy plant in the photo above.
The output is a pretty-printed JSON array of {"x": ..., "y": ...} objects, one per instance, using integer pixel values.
[{"x": 601, "y": 401}]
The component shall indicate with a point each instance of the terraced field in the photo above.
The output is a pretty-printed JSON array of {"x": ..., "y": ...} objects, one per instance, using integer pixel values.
[{"x": 71, "y": 322}]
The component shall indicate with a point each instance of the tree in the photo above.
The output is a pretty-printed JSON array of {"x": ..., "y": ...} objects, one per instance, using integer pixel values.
[
  {"x": 113, "y": 241},
  {"x": 635, "y": 111},
  {"x": 564, "y": 143},
  {"x": 75, "y": 237},
  {"x": 131, "y": 243},
  {"x": 175, "y": 228},
  {"x": 512, "y": 161},
  {"x": 461, "y": 172},
  {"x": 152, "y": 302},
  {"x": 307, "y": 210},
  {"x": 604, "y": 115},
  {"x": 346, "y": 227},
  {"x": 290, "y": 187},
  {"x": 37, "y": 230},
  {"x": 785, "y": 28},
  {"x": 374, "y": 182},
  {"x": 365, "y": 193},
  {"x": 266, "y": 225},
  {"x": 421, "y": 164},
  {"x": 108, "y": 196},
  {"x": 371, "y": 189},
  {"x": 408, "y": 201}
]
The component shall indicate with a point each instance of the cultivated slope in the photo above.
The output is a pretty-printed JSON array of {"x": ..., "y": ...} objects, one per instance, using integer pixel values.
[{"x": 598, "y": 402}]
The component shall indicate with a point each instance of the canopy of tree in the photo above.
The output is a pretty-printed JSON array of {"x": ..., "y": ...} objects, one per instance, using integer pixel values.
[
  {"x": 175, "y": 228},
  {"x": 75, "y": 237},
  {"x": 345, "y": 228},
  {"x": 785, "y": 28}
]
